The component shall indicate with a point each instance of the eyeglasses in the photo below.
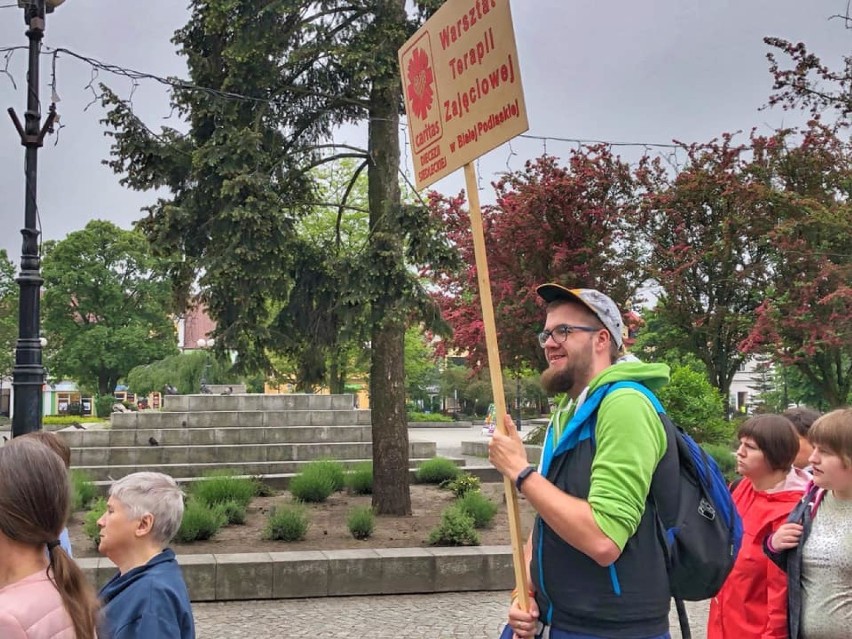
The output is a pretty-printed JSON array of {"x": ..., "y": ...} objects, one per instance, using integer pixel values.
[{"x": 560, "y": 333}]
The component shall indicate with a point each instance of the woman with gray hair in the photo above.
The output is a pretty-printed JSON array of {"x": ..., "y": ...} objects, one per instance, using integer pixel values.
[{"x": 148, "y": 596}]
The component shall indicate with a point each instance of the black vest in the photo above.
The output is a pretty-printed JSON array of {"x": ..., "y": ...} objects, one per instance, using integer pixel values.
[{"x": 576, "y": 594}]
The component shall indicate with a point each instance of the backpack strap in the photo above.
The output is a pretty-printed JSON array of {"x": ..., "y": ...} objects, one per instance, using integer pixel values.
[{"x": 664, "y": 492}]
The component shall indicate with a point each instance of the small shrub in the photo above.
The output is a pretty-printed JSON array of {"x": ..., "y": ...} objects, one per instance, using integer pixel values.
[
  {"x": 288, "y": 523},
  {"x": 314, "y": 484},
  {"x": 359, "y": 480},
  {"x": 83, "y": 490},
  {"x": 261, "y": 488},
  {"x": 90, "y": 521},
  {"x": 334, "y": 469},
  {"x": 536, "y": 435},
  {"x": 479, "y": 507},
  {"x": 462, "y": 484},
  {"x": 361, "y": 522},
  {"x": 235, "y": 512},
  {"x": 103, "y": 405},
  {"x": 200, "y": 521},
  {"x": 456, "y": 529},
  {"x": 436, "y": 470},
  {"x": 220, "y": 488},
  {"x": 724, "y": 457}
]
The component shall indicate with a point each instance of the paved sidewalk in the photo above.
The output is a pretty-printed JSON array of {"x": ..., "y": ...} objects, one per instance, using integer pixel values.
[{"x": 475, "y": 615}]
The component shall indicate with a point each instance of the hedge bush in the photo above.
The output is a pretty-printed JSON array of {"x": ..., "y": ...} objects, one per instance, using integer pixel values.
[
  {"x": 83, "y": 490},
  {"x": 437, "y": 470},
  {"x": 456, "y": 529},
  {"x": 361, "y": 522},
  {"x": 103, "y": 405},
  {"x": 68, "y": 420},
  {"x": 288, "y": 523},
  {"x": 428, "y": 417},
  {"x": 200, "y": 521},
  {"x": 359, "y": 480}
]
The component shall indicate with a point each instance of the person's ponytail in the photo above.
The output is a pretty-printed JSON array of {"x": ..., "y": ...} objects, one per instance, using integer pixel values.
[{"x": 78, "y": 595}]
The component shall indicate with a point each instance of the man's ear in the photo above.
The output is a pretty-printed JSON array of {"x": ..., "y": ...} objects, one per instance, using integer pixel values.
[
  {"x": 602, "y": 339},
  {"x": 146, "y": 523}
]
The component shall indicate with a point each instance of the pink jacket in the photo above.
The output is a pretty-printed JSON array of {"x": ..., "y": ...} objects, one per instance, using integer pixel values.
[{"x": 32, "y": 609}]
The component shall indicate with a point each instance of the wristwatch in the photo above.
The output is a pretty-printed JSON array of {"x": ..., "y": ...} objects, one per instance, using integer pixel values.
[{"x": 526, "y": 472}]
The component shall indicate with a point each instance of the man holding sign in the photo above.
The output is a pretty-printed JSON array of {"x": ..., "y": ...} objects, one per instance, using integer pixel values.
[{"x": 596, "y": 565}]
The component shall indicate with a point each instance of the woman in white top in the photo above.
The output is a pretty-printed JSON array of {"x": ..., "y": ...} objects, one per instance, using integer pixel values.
[{"x": 815, "y": 545}]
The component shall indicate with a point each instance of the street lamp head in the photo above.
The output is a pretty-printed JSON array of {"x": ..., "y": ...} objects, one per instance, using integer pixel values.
[
  {"x": 42, "y": 341},
  {"x": 205, "y": 343}
]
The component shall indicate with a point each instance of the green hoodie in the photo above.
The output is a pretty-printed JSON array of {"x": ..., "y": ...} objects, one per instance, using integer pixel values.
[{"x": 630, "y": 442}]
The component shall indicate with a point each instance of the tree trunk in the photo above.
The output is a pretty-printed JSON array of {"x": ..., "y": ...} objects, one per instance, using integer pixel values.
[{"x": 391, "y": 494}]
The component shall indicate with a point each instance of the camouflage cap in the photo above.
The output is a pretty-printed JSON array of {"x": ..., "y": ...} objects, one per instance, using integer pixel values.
[{"x": 602, "y": 306}]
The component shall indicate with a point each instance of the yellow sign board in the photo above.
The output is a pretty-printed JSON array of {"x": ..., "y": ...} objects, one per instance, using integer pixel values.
[{"x": 462, "y": 86}]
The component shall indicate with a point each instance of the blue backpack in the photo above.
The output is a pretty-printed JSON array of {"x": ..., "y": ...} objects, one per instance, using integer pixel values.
[{"x": 699, "y": 524}]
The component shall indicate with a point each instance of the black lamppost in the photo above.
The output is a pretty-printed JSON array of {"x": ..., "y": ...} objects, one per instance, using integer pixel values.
[{"x": 28, "y": 372}]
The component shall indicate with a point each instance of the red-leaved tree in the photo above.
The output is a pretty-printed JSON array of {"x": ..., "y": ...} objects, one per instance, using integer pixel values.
[
  {"x": 573, "y": 224},
  {"x": 806, "y": 319},
  {"x": 708, "y": 227}
]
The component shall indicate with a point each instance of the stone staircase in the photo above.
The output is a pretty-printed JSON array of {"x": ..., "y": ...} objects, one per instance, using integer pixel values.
[{"x": 247, "y": 434}]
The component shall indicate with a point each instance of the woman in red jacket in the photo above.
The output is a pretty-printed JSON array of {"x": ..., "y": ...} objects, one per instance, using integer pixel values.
[{"x": 753, "y": 602}]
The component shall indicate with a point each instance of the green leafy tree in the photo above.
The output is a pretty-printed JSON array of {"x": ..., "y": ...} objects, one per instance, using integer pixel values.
[
  {"x": 183, "y": 371},
  {"x": 278, "y": 81},
  {"x": 694, "y": 404},
  {"x": 421, "y": 369},
  {"x": 660, "y": 341},
  {"x": 105, "y": 305},
  {"x": 8, "y": 314}
]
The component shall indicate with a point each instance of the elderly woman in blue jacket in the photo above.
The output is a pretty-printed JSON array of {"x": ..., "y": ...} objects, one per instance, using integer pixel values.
[{"x": 148, "y": 596}]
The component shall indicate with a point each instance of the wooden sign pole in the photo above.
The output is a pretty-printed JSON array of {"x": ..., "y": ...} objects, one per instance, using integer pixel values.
[{"x": 496, "y": 376}]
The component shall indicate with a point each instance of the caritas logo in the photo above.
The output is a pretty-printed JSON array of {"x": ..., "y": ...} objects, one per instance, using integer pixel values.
[{"x": 420, "y": 81}]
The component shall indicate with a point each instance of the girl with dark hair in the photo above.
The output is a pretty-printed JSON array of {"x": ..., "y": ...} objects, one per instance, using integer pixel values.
[
  {"x": 43, "y": 593},
  {"x": 753, "y": 602}
]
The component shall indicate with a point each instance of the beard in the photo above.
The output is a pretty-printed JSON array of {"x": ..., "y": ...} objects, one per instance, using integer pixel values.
[
  {"x": 571, "y": 378},
  {"x": 557, "y": 381}
]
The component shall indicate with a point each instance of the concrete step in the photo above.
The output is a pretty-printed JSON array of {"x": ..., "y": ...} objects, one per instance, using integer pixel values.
[
  {"x": 251, "y": 402},
  {"x": 253, "y": 469},
  {"x": 335, "y": 573},
  {"x": 215, "y": 435},
  {"x": 237, "y": 418},
  {"x": 228, "y": 454}
]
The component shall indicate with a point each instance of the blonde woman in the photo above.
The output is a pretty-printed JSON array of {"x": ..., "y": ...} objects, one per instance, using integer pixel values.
[{"x": 814, "y": 547}]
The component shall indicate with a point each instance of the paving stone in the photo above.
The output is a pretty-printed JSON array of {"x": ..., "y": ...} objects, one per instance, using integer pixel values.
[{"x": 474, "y": 615}]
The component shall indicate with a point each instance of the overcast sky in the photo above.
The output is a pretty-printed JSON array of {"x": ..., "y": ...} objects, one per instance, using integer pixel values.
[{"x": 648, "y": 71}]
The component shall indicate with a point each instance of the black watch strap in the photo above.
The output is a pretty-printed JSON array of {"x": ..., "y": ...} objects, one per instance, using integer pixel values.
[{"x": 526, "y": 472}]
